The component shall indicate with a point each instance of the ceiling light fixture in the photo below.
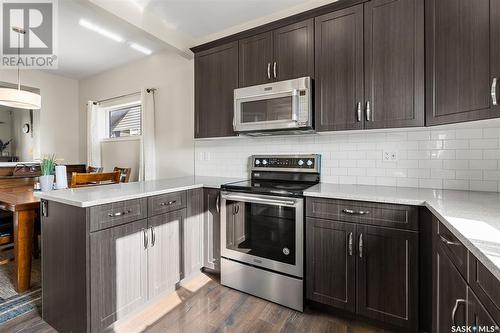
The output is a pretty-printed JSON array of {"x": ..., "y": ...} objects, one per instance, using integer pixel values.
[
  {"x": 140, "y": 48},
  {"x": 18, "y": 98},
  {"x": 101, "y": 31}
]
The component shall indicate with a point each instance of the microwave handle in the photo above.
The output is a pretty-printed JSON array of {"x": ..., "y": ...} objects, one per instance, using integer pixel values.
[{"x": 295, "y": 105}]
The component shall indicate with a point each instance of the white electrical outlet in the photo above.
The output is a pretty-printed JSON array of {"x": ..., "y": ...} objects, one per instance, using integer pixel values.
[{"x": 390, "y": 156}]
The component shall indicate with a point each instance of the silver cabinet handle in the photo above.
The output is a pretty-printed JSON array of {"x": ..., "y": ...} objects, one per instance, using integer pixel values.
[
  {"x": 368, "y": 112},
  {"x": 350, "y": 243},
  {"x": 494, "y": 92},
  {"x": 448, "y": 242},
  {"x": 153, "y": 236},
  {"x": 168, "y": 203},
  {"x": 360, "y": 246},
  {"x": 117, "y": 214},
  {"x": 269, "y": 71},
  {"x": 274, "y": 70},
  {"x": 353, "y": 212},
  {"x": 145, "y": 239},
  {"x": 217, "y": 204},
  {"x": 455, "y": 308},
  {"x": 358, "y": 112}
]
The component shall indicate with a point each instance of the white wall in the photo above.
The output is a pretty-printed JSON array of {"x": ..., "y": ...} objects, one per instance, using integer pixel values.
[
  {"x": 461, "y": 156},
  {"x": 59, "y": 119},
  {"x": 173, "y": 77}
]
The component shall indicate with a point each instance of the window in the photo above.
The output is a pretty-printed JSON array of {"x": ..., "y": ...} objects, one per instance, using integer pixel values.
[{"x": 124, "y": 121}]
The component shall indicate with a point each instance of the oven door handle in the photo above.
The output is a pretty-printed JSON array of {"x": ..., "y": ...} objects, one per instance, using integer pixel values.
[{"x": 253, "y": 199}]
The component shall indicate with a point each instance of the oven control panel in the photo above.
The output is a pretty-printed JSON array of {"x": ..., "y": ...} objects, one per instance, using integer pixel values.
[{"x": 305, "y": 163}]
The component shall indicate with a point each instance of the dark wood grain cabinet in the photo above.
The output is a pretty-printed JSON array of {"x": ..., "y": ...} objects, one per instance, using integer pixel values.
[
  {"x": 216, "y": 77},
  {"x": 356, "y": 263},
  {"x": 370, "y": 66},
  {"x": 462, "y": 48},
  {"x": 282, "y": 54}
]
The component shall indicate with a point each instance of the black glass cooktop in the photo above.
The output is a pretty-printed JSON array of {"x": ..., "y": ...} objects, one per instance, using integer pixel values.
[{"x": 269, "y": 187}]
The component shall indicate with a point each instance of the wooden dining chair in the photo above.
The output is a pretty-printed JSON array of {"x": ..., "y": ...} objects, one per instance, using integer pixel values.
[
  {"x": 6, "y": 235},
  {"x": 124, "y": 174},
  {"x": 92, "y": 179},
  {"x": 91, "y": 169}
]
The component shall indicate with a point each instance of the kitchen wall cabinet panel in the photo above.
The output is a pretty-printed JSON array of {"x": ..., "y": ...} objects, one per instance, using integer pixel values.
[
  {"x": 394, "y": 63},
  {"x": 256, "y": 59},
  {"x": 331, "y": 263},
  {"x": 216, "y": 77},
  {"x": 294, "y": 51},
  {"x": 118, "y": 273},
  {"x": 211, "y": 229},
  {"x": 339, "y": 70},
  {"x": 164, "y": 252},
  {"x": 462, "y": 49},
  {"x": 388, "y": 275}
]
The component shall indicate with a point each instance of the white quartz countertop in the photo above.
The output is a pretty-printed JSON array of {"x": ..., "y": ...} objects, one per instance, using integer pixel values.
[
  {"x": 473, "y": 217},
  {"x": 100, "y": 195}
]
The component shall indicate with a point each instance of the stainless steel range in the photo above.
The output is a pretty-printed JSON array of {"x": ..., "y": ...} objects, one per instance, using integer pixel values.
[{"x": 262, "y": 228}]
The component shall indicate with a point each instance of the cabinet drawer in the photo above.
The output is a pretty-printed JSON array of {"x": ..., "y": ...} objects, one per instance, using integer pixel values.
[
  {"x": 165, "y": 203},
  {"x": 385, "y": 215},
  {"x": 486, "y": 286},
  {"x": 109, "y": 215},
  {"x": 453, "y": 247}
]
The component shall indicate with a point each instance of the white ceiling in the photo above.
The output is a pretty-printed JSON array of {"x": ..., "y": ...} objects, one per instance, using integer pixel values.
[
  {"x": 199, "y": 18},
  {"x": 155, "y": 24},
  {"x": 83, "y": 52}
]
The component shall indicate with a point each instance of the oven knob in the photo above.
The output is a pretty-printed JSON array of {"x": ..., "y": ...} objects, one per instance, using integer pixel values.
[
  {"x": 257, "y": 162},
  {"x": 301, "y": 163},
  {"x": 309, "y": 162},
  {"x": 264, "y": 162},
  {"x": 286, "y": 251}
]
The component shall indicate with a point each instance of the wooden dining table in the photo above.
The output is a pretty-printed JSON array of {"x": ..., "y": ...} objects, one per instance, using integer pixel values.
[{"x": 16, "y": 196}]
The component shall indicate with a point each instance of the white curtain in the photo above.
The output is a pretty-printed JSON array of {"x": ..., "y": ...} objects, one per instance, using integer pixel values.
[
  {"x": 147, "y": 170},
  {"x": 95, "y": 133}
]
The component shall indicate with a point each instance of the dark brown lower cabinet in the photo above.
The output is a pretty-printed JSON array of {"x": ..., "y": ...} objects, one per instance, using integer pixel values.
[
  {"x": 477, "y": 314},
  {"x": 211, "y": 229},
  {"x": 450, "y": 294},
  {"x": 388, "y": 275},
  {"x": 331, "y": 263}
]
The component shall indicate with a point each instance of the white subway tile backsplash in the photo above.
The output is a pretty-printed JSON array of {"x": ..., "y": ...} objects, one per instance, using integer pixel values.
[{"x": 463, "y": 156}]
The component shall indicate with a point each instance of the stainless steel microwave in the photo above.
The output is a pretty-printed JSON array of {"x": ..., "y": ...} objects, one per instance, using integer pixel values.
[{"x": 277, "y": 106}]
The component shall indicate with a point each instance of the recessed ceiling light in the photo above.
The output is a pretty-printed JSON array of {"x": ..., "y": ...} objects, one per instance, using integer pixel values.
[
  {"x": 101, "y": 31},
  {"x": 140, "y": 48}
]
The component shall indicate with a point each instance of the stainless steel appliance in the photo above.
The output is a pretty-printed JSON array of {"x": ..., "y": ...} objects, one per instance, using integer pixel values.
[
  {"x": 279, "y": 106},
  {"x": 262, "y": 228}
]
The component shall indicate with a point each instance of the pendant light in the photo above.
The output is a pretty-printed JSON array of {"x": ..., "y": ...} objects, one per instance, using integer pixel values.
[{"x": 17, "y": 98}]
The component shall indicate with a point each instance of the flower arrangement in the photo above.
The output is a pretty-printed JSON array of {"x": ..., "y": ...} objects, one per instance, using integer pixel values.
[{"x": 4, "y": 145}]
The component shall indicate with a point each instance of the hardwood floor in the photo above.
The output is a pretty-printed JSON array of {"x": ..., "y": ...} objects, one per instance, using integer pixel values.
[{"x": 203, "y": 305}]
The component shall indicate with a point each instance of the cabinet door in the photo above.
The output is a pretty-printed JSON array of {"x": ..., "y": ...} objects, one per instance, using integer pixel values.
[
  {"x": 477, "y": 314},
  {"x": 339, "y": 70},
  {"x": 294, "y": 51},
  {"x": 211, "y": 229},
  {"x": 216, "y": 77},
  {"x": 118, "y": 273},
  {"x": 462, "y": 46},
  {"x": 331, "y": 263},
  {"x": 164, "y": 252},
  {"x": 394, "y": 63},
  {"x": 388, "y": 275},
  {"x": 256, "y": 59},
  {"x": 450, "y": 290},
  {"x": 192, "y": 234}
]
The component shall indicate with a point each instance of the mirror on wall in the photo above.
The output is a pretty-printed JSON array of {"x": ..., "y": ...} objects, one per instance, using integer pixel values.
[{"x": 19, "y": 132}]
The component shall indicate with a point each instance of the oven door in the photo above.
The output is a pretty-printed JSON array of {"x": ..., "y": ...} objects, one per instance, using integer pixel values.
[{"x": 263, "y": 230}]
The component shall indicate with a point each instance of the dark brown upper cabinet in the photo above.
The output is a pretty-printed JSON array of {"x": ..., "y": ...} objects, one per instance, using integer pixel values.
[
  {"x": 216, "y": 77},
  {"x": 388, "y": 275},
  {"x": 462, "y": 43},
  {"x": 281, "y": 54},
  {"x": 339, "y": 70},
  {"x": 394, "y": 63}
]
